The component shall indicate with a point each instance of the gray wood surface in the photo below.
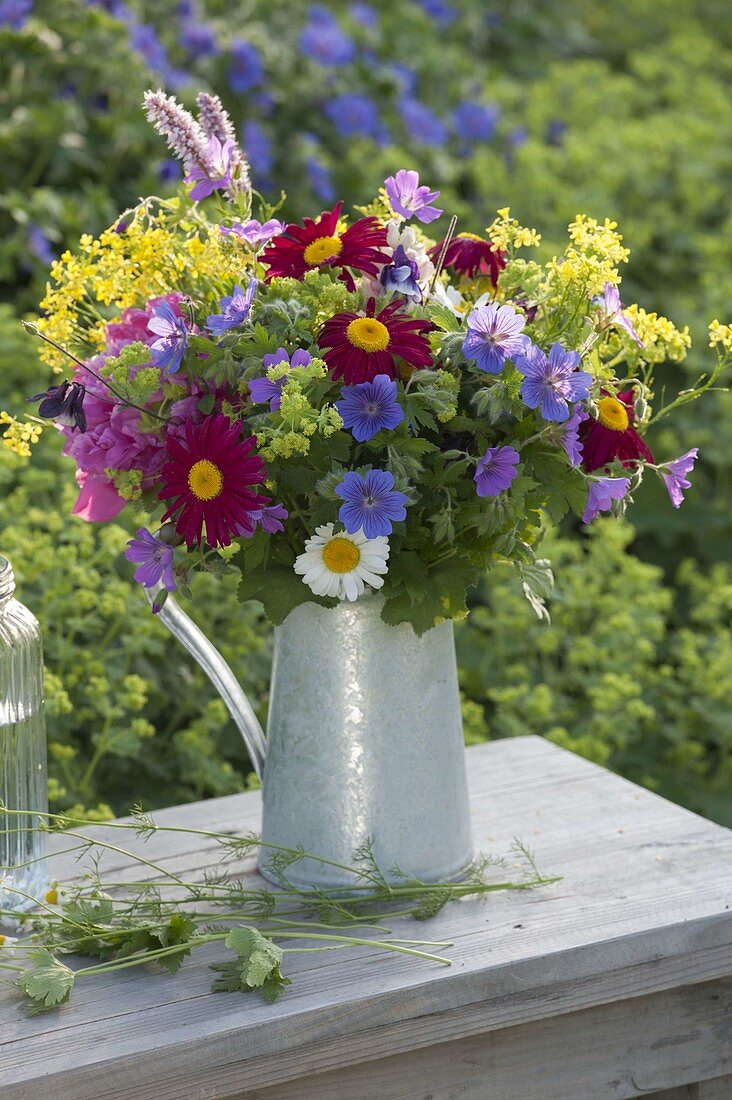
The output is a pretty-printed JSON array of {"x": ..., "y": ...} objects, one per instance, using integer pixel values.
[{"x": 642, "y": 913}]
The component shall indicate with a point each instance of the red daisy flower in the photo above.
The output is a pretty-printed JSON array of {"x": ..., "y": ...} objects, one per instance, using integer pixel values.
[
  {"x": 471, "y": 255},
  {"x": 362, "y": 347},
  {"x": 208, "y": 476},
  {"x": 318, "y": 243},
  {"x": 612, "y": 434}
]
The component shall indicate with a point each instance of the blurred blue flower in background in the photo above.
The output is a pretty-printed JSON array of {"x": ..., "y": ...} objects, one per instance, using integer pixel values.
[
  {"x": 320, "y": 180},
  {"x": 443, "y": 13},
  {"x": 258, "y": 151},
  {"x": 246, "y": 69},
  {"x": 423, "y": 125},
  {"x": 475, "y": 121},
  {"x": 39, "y": 245},
  {"x": 198, "y": 39},
  {"x": 13, "y": 13},
  {"x": 353, "y": 114},
  {"x": 323, "y": 39}
]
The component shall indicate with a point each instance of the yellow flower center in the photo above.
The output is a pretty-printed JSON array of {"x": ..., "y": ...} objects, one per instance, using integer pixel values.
[
  {"x": 612, "y": 414},
  {"x": 322, "y": 249},
  {"x": 51, "y": 896},
  {"x": 368, "y": 334},
  {"x": 470, "y": 237},
  {"x": 2, "y": 939},
  {"x": 205, "y": 480},
  {"x": 341, "y": 555}
]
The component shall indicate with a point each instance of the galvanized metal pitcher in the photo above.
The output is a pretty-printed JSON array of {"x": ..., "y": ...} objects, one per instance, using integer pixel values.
[{"x": 364, "y": 741}]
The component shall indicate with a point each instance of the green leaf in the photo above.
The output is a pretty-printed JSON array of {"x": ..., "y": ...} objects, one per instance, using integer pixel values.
[
  {"x": 258, "y": 955},
  {"x": 279, "y": 590},
  {"x": 443, "y": 317},
  {"x": 48, "y": 982}
]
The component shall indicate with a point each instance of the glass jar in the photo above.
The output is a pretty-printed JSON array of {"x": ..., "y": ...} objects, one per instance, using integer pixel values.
[{"x": 23, "y": 777}]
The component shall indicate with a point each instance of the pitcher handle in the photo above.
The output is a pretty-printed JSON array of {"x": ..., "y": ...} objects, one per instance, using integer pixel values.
[{"x": 207, "y": 656}]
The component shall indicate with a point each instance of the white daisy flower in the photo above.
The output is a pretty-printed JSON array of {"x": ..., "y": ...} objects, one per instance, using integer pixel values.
[{"x": 340, "y": 564}]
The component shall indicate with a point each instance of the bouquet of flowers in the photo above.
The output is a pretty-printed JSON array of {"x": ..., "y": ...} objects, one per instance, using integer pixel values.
[{"x": 347, "y": 405}]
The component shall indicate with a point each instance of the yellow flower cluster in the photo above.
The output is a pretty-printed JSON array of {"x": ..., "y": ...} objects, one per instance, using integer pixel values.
[
  {"x": 720, "y": 334},
  {"x": 506, "y": 232},
  {"x": 661, "y": 339},
  {"x": 298, "y": 419},
  {"x": 151, "y": 257},
  {"x": 19, "y": 435},
  {"x": 592, "y": 258}
]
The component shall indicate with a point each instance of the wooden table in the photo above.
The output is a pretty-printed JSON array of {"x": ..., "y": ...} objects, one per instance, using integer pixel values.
[{"x": 614, "y": 982}]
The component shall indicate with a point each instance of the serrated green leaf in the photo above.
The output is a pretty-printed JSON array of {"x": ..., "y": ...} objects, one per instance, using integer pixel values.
[
  {"x": 259, "y": 958},
  {"x": 48, "y": 982}
]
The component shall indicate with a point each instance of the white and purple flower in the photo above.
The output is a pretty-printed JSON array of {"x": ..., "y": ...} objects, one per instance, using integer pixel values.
[
  {"x": 217, "y": 173},
  {"x": 235, "y": 309},
  {"x": 496, "y": 471},
  {"x": 401, "y": 276},
  {"x": 494, "y": 335},
  {"x": 612, "y": 311},
  {"x": 370, "y": 406},
  {"x": 372, "y": 503},
  {"x": 552, "y": 382},
  {"x": 409, "y": 199},
  {"x": 602, "y": 492},
  {"x": 674, "y": 475}
]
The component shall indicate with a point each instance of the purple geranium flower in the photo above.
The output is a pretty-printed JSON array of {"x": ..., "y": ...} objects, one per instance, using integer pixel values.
[
  {"x": 63, "y": 404},
  {"x": 494, "y": 334},
  {"x": 13, "y": 13},
  {"x": 408, "y": 198},
  {"x": 602, "y": 492},
  {"x": 400, "y": 276},
  {"x": 262, "y": 390},
  {"x": 155, "y": 560},
  {"x": 217, "y": 173},
  {"x": 495, "y": 471},
  {"x": 612, "y": 309},
  {"x": 372, "y": 503},
  {"x": 270, "y": 518},
  {"x": 167, "y": 352},
  {"x": 552, "y": 381},
  {"x": 568, "y": 435},
  {"x": 235, "y": 308},
  {"x": 254, "y": 232},
  {"x": 674, "y": 475},
  {"x": 370, "y": 406}
]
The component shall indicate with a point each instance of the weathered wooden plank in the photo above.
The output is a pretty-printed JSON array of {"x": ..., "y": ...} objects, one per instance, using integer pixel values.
[
  {"x": 641, "y": 908},
  {"x": 718, "y": 1089},
  {"x": 608, "y": 1053}
]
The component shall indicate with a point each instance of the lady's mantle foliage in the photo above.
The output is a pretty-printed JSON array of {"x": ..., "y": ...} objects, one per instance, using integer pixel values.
[{"x": 322, "y": 409}]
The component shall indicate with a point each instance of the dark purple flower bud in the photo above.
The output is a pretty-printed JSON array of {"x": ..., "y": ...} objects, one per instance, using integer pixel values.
[
  {"x": 125, "y": 222},
  {"x": 63, "y": 404}
]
